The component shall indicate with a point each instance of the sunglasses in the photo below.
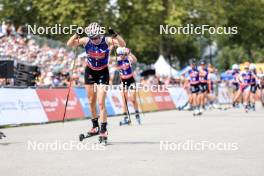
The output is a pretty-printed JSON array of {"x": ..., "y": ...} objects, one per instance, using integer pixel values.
[{"x": 94, "y": 38}]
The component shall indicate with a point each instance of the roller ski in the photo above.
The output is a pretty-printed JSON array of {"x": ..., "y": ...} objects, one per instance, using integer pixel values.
[
  {"x": 201, "y": 110},
  {"x": 125, "y": 121},
  {"x": 197, "y": 112},
  {"x": 253, "y": 107},
  {"x": 138, "y": 118},
  {"x": 91, "y": 133},
  {"x": 2, "y": 135},
  {"x": 103, "y": 138},
  {"x": 246, "y": 108},
  {"x": 103, "y": 134}
]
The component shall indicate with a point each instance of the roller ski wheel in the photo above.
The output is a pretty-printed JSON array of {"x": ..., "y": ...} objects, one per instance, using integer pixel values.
[
  {"x": 81, "y": 137},
  {"x": 2, "y": 135},
  {"x": 246, "y": 110},
  {"x": 103, "y": 138},
  {"x": 91, "y": 133},
  {"x": 138, "y": 119}
]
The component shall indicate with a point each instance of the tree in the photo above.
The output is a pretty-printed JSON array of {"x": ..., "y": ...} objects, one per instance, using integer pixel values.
[
  {"x": 139, "y": 23},
  {"x": 20, "y": 12},
  {"x": 248, "y": 17}
]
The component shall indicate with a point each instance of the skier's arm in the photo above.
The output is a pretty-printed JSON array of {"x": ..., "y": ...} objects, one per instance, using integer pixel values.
[
  {"x": 75, "y": 41},
  {"x": 132, "y": 58},
  {"x": 115, "y": 39}
]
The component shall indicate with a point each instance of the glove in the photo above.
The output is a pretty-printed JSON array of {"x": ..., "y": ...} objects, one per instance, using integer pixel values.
[
  {"x": 112, "y": 32},
  {"x": 127, "y": 51},
  {"x": 79, "y": 31}
]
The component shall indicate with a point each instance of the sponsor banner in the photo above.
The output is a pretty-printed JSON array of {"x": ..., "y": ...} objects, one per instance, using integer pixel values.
[
  {"x": 115, "y": 100},
  {"x": 18, "y": 106},
  {"x": 83, "y": 99},
  {"x": 224, "y": 94},
  {"x": 146, "y": 101},
  {"x": 54, "y": 100},
  {"x": 179, "y": 96},
  {"x": 163, "y": 100}
]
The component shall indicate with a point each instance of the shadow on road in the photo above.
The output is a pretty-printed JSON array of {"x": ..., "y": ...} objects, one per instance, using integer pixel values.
[{"x": 133, "y": 143}]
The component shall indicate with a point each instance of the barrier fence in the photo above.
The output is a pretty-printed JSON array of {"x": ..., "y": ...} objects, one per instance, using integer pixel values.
[{"x": 22, "y": 106}]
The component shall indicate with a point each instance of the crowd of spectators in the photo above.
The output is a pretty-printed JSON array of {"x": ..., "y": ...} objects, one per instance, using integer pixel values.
[{"x": 56, "y": 63}]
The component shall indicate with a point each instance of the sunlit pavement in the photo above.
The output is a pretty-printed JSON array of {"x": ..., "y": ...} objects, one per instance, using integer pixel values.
[{"x": 172, "y": 143}]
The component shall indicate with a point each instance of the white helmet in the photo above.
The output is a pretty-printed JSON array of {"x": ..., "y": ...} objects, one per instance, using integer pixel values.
[
  {"x": 122, "y": 51},
  {"x": 93, "y": 30},
  {"x": 235, "y": 67},
  {"x": 252, "y": 67}
]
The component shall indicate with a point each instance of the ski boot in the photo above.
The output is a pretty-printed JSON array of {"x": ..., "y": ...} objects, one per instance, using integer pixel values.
[
  {"x": 201, "y": 110},
  {"x": 188, "y": 107},
  {"x": 253, "y": 107},
  {"x": 234, "y": 104},
  {"x": 196, "y": 112}
]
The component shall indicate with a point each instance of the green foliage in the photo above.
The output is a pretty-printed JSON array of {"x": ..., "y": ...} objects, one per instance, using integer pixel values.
[
  {"x": 138, "y": 21},
  {"x": 231, "y": 55},
  {"x": 18, "y": 11}
]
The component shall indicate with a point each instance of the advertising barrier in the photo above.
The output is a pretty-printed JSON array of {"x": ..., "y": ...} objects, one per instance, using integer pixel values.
[
  {"x": 54, "y": 100},
  {"x": 146, "y": 101},
  {"x": 18, "y": 106},
  {"x": 83, "y": 99},
  {"x": 163, "y": 100},
  {"x": 115, "y": 99},
  {"x": 179, "y": 96},
  {"x": 224, "y": 94}
]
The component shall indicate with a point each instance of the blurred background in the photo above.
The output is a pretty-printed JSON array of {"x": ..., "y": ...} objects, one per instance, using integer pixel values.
[{"x": 138, "y": 21}]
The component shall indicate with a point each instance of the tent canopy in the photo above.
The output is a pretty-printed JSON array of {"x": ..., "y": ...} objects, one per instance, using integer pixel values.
[{"x": 163, "y": 68}]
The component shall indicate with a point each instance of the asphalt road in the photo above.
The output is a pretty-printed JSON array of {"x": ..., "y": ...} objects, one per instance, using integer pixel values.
[{"x": 219, "y": 143}]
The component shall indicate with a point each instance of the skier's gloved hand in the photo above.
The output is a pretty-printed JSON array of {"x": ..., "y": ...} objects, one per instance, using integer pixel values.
[
  {"x": 127, "y": 51},
  {"x": 111, "y": 32},
  {"x": 79, "y": 32}
]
